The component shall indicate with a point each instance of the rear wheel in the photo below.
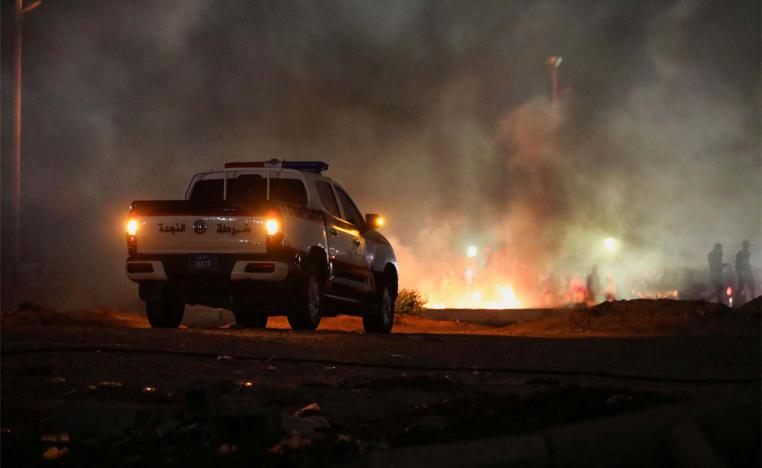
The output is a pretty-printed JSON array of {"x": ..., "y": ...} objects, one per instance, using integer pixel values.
[
  {"x": 250, "y": 317},
  {"x": 379, "y": 315},
  {"x": 304, "y": 312},
  {"x": 165, "y": 313}
]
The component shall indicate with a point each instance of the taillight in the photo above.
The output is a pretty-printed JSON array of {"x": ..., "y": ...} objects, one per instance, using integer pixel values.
[
  {"x": 132, "y": 227},
  {"x": 272, "y": 226},
  {"x": 132, "y": 237},
  {"x": 274, "y": 230}
]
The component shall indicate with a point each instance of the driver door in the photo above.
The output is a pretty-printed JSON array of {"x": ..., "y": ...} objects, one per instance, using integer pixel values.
[{"x": 350, "y": 265}]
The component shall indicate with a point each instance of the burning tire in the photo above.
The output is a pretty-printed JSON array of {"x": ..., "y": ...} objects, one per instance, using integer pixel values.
[
  {"x": 164, "y": 313},
  {"x": 250, "y": 317},
  {"x": 379, "y": 316},
  {"x": 305, "y": 309}
]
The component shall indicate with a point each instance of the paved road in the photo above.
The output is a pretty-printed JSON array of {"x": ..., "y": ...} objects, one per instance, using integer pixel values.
[
  {"x": 668, "y": 357},
  {"x": 372, "y": 391}
]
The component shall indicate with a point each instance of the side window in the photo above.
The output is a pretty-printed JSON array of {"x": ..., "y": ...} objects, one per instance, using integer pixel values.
[
  {"x": 351, "y": 212},
  {"x": 327, "y": 198}
]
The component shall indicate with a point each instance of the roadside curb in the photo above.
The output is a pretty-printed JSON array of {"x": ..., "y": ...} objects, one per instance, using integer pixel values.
[{"x": 672, "y": 435}]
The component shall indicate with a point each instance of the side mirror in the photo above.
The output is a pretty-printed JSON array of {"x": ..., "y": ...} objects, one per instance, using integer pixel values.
[{"x": 374, "y": 221}]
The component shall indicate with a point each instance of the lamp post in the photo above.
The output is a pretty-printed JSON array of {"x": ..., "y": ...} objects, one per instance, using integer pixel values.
[
  {"x": 14, "y": 244},
  {"x": 554, "y": 61}
]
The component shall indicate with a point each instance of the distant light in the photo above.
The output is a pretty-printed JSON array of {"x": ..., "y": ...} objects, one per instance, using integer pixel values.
[
  {"x": 610, "y": 244},
  {"x": 472, "y": 251},
  {"x": 555, "y": 60}
]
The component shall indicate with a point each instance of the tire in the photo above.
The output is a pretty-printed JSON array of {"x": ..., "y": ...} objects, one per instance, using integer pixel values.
[
  {"x": 305, "y": 309},
  {"x": 164, "y": 313},
  {"x": 379, "y": 315},
  {"x": 250, "y": 317}
]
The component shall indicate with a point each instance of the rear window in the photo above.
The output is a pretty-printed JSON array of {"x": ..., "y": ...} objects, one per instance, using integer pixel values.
[{"x": 249, "y": 190}]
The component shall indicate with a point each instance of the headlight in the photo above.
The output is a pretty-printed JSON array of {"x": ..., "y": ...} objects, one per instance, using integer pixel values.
[
  {"x": 132, "y": 227},
  {"x": 272, "y": 226}
]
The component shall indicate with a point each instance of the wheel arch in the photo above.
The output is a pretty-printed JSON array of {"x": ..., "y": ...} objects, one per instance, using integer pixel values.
[
  {"x": 390, "y": 274},
  {"x": 319, "y": 257}
]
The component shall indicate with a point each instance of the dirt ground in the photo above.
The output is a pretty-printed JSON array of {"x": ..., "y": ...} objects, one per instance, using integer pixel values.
[
  {"x": 620, "y": 318},
  {"x": 83, "y": 387}
]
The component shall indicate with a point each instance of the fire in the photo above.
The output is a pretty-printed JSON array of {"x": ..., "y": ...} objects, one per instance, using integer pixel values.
[{"x": 477, "y": 296}]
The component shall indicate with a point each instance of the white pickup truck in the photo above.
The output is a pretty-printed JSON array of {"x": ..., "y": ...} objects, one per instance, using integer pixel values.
[{"x": 261, "y": 239}]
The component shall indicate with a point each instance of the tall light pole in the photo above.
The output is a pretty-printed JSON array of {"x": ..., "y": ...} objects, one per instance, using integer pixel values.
[
  {"x": 554, "y": 61},
  {"x": 14, "y": 244}
]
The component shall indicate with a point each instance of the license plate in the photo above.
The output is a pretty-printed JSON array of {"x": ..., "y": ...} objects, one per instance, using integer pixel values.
[{"x": 203, "y": 262}]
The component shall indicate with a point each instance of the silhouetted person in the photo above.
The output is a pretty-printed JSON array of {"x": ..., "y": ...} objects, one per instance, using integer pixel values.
[
  {"x": 744, "y": 275},
  {"x": 716, "y": 276},
  {"x": 593, "y": 286}
]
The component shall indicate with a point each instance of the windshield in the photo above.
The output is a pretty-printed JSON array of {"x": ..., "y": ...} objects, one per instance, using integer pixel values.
[{"x": 250, "y": 190}]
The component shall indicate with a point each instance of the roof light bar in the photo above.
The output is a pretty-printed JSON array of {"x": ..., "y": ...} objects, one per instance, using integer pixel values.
[{"x": 306, "y": 166}]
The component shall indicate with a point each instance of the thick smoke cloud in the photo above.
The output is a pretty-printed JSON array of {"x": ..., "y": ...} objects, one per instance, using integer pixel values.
[{"x": 434, "y": 113}]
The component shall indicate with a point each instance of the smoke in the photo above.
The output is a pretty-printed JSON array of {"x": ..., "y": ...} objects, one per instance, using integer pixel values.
[{"x": 434, "y": 113}]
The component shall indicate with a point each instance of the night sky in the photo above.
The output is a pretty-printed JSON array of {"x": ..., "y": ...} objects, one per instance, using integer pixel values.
[{"x": 434, "y": 113}]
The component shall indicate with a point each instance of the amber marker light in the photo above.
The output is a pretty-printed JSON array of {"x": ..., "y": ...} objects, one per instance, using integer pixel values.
[
  {"x": 272, "y": 226},
  {"x": 132, "y": 227},
  {"x": 380, "y": 221}
]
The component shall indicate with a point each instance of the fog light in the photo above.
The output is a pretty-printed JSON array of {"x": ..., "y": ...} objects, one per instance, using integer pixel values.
[
  {"x": 139, "y": 268},
  {"x": 260, "y": 267}
]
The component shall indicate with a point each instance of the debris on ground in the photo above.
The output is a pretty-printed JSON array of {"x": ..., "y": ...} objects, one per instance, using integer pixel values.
[{"x": 307, "y": 410}]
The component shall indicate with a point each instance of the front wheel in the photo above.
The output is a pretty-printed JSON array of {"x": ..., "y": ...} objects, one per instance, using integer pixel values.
[
  {"x": 379, "y": 316},
  {"x": 304, "y": 311},
  {"x": 164, "y": 313}
]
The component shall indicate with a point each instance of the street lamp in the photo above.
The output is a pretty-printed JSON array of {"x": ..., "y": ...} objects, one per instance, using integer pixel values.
[
  {"x": 554, "y": 61},
  {"x": 610, "y": 244},
  {"x": 14, "y": 246}
]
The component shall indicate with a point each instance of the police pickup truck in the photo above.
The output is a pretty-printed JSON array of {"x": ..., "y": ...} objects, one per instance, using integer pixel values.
[{"x": 261, "y": 239}]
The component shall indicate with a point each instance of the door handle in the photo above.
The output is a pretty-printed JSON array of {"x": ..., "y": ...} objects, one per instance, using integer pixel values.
[
  {"x": 356, "y": 242},
  {"x": 333, "y": 232}
]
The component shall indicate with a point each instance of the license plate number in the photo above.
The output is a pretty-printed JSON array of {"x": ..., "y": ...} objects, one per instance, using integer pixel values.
[{"x": 203, "y": 262}]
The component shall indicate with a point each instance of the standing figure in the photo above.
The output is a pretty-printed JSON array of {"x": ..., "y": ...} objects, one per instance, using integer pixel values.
[
  {"x": 593, "y": 286},
  {"x": 744, "y": 275},
  {"x": 716, "y": 276}
]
